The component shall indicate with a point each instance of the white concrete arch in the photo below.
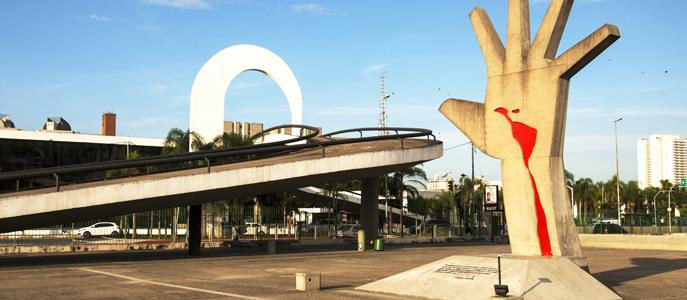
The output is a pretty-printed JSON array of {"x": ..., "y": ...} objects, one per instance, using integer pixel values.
[{"x": 212, "y": 81}]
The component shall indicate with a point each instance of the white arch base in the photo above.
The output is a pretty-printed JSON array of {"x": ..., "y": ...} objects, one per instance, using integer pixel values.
[{"x": 212, "y": 81}]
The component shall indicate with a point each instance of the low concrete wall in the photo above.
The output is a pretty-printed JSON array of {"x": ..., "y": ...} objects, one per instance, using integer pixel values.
[
  {"x": 639, "y": 229},
  {"x": 19, "y": 249},
  {"x": 675, "y": 242}
]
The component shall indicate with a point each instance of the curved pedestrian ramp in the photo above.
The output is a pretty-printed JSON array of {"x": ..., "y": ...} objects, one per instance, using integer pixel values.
[{"x": 283, "y": 167}]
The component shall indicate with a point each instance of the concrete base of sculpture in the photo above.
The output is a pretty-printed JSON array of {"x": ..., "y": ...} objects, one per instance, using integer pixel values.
[{"x": 474, "y": 277}]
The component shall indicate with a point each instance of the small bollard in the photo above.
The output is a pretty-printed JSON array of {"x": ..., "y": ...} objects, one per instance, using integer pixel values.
[
  {"x": 361, "y": 240},
  {"x": 308, "y": 281},
  {"x": 271, "y": 247},
  {"x": 500, "y": 290}
]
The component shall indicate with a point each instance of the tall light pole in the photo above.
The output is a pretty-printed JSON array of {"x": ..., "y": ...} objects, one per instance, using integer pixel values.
[
  {"x": 617, "y": 166},
  {"x": 655, "y": 218},
  {"x": 572, "y": 201},
  {"x": 670, "y": 209},
  {"x": 479, "y": 211}
]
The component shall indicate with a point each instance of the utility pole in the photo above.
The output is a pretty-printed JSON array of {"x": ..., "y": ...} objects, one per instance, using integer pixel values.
[
  {"x": 617, "y": 166},
  {"x": 383, "y": 98}
]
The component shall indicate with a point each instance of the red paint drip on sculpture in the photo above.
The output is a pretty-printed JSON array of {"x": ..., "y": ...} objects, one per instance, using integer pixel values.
[{"x": 527, "y": 138}]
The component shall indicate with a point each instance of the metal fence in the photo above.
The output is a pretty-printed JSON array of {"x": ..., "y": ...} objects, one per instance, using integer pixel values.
[{"x": 224, "y": 221}]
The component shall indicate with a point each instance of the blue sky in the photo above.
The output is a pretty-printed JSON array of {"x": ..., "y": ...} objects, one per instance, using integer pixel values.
[{"x": 77, "y": 59}]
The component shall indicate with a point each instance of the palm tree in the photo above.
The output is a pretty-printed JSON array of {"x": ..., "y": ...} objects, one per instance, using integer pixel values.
[
  {"x": 407, "y": 180},
  {"x": 229, "y": 140},
  {"x": 471, "y": 195},
  {"x": 632, "y": 195},
  {"x": 179, "y": 141},
  {"x": 585, "y": 193},
  {"x": 569, "y": 177},
  {"x": 419, "y": 205}
]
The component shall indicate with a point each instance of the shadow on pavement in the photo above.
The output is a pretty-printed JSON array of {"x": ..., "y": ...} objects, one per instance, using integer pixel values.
[
  {"x": 335, "y": 287},
  {"x": 643, "y": 267}
]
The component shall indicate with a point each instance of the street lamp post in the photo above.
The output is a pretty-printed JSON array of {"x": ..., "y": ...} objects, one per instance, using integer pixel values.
[
  {"x": 386, "y": 204},
  {"x": 655, "y": 218},
  {"x": 572, "y": 201},
  {"x": 479, "y": 207},
  {"x": 463, "y": 214},
  {"x": 617, "y": 166},
  {"x": 670, "y": 210}
]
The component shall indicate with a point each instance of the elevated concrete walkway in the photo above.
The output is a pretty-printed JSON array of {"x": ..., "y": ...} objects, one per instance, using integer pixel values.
[{"x": 35, "y": 208}]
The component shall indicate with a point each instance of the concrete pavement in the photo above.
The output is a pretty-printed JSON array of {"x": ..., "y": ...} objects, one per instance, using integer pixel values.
[{"x": 244, "y": 273}]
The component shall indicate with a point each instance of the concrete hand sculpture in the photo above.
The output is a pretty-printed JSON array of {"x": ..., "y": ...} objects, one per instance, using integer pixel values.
[{"x": 522, "y": 121}]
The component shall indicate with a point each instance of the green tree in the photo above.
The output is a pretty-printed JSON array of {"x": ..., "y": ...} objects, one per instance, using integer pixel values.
[
  {"x": 126, "y": 171},
  {"x": 441, "y": 206},
  {"x": 419, "y": 205}
]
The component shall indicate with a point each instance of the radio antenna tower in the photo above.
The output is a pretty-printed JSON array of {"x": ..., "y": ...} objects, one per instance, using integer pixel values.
[{"x": 383, "y": 97}]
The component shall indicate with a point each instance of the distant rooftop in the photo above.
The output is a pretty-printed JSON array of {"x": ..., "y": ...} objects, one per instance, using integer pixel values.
[{"x": 69, "y": 136}]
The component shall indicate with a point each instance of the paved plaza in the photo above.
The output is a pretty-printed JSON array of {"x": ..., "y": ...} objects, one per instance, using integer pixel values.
[{"x": 250, "y": 273}]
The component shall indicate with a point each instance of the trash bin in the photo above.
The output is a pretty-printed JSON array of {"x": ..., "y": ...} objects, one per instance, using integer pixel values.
[{"x": 378, "y": 244}]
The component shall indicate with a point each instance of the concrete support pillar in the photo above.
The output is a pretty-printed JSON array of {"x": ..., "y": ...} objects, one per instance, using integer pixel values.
[
  {"x": 195, "y": 215},
  {"x": 369, "y": 208}
]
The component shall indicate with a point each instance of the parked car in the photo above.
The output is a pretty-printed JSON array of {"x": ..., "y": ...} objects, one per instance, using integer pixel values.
[
  {"x": 347, "y": 231},
  {"x": 99, "y": 229},
  {"x": 608, "y": 228}
]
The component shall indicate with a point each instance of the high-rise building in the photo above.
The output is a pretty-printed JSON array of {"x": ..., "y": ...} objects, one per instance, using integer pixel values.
[
  {"x": 661, "y": 157},
  {"x": 246, "y": 129}
]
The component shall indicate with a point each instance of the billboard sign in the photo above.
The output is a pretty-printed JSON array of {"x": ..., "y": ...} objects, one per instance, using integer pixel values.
[{"x": 491, "y": 196}]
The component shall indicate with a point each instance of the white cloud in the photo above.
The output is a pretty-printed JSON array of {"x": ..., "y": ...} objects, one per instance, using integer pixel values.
[
  {"x": 187, "y": 4},
  {"x": 99, "y": 18},
  {"x": 311, "y": 8},
  {"x": 647, "y": 112},
  {"x": 373, "y": 69}
]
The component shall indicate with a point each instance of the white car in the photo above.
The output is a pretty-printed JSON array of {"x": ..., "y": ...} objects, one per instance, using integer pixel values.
[
  {"x": 99, "y": 229},
  {"x": 347, "y": 231}
]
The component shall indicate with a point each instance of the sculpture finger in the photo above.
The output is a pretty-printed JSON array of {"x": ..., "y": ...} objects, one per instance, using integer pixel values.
[
  {"x": 578, "y": 56},
  {"x": 518, "y": 34},
  {"x": 548, "y": 37},
  {"x": 489, "y": 41},
  {"x": 468, "y": 116}
]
